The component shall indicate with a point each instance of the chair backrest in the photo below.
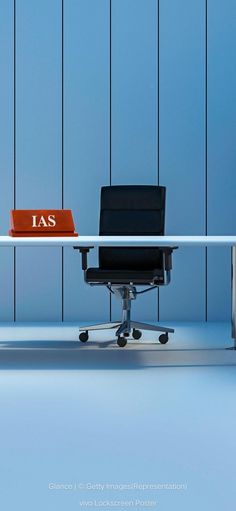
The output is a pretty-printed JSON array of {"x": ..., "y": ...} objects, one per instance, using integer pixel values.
[{"x": 131, "y": 210}]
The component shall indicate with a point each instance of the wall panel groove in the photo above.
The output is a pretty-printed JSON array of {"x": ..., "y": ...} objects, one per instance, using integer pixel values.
[
  {"x": 110, "y": 118},
  {"x": 206, "y": 153},
  {"x": 158, "y": 124},
  {"x": 62, "y": 150},
  {"x": 14, "y": 150}
]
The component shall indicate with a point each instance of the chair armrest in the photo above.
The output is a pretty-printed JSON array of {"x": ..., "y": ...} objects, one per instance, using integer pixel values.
[
  {"x": 167, "y": 256},
  {"x": 84, "y": 251}
]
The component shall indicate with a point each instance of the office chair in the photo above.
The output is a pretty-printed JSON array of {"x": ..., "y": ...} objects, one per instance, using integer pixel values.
[{"x": 129, "y": 211}]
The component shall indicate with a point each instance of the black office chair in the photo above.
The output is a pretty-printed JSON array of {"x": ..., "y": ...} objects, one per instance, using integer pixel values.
[{"x": 130, "y": 210}]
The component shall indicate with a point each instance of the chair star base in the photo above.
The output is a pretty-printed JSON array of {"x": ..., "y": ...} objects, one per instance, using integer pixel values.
[{"x": 126, "y": 327}]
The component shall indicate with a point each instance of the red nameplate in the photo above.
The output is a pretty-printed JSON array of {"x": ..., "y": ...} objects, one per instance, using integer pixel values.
[{"x": 42, "y": 222}]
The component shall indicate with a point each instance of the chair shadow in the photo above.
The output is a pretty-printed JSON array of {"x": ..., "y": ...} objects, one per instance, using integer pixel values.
[{"x": 65, "y": 355}]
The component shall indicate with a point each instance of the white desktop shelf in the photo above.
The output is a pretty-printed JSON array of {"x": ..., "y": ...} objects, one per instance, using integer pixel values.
[{"x": 8, "y": 241}]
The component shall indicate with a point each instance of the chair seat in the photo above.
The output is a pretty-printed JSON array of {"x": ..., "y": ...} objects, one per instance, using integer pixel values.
[{"x": 125, "y": 276}]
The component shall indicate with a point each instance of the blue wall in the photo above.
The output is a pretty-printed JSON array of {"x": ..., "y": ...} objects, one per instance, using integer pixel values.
[{"x": 98, "y": 92}]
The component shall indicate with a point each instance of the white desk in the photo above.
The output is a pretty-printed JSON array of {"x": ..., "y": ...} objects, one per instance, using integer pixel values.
[
  {"x": 122, "y": 241},
  {"x": 145, "y": 241}
]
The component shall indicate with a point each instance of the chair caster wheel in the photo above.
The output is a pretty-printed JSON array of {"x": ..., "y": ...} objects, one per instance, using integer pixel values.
[
  {"x": 163, "y": 338},
  {"x": 121, "y": 341},
  {"x": 83, "y": 337},
  {"x": 136, "y": 334}
]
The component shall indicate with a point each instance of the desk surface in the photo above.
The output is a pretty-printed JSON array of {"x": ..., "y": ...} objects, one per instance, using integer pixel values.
[{"x": 102, "y": 241}]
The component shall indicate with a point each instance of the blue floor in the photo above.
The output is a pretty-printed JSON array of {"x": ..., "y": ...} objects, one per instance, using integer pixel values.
[{"x": 117, "y": 417}]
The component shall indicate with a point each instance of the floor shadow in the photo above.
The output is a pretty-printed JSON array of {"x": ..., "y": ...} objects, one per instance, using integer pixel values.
[
  {"x": 65, "y": 357},
  {"x": 59, "y": 355}
]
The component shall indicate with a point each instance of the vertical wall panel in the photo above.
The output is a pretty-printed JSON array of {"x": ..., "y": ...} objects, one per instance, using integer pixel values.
[
  {"x": 134, "y": 108},
  {"x": 6, "y": 153},
  {"x": 38, "y": 150},
  {"x": 221, "y": 149},
  {"x": 182, "y": 151},
  {"x": 134, "y": 92},
  {"x": 86, "y": 142}
]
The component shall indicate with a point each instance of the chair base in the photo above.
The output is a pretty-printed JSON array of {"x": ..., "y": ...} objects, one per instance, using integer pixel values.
[{"x": 126, "y": 327}]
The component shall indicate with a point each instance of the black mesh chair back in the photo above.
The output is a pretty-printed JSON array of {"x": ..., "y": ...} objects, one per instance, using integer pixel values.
[{"x": 132, "y": 210}]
